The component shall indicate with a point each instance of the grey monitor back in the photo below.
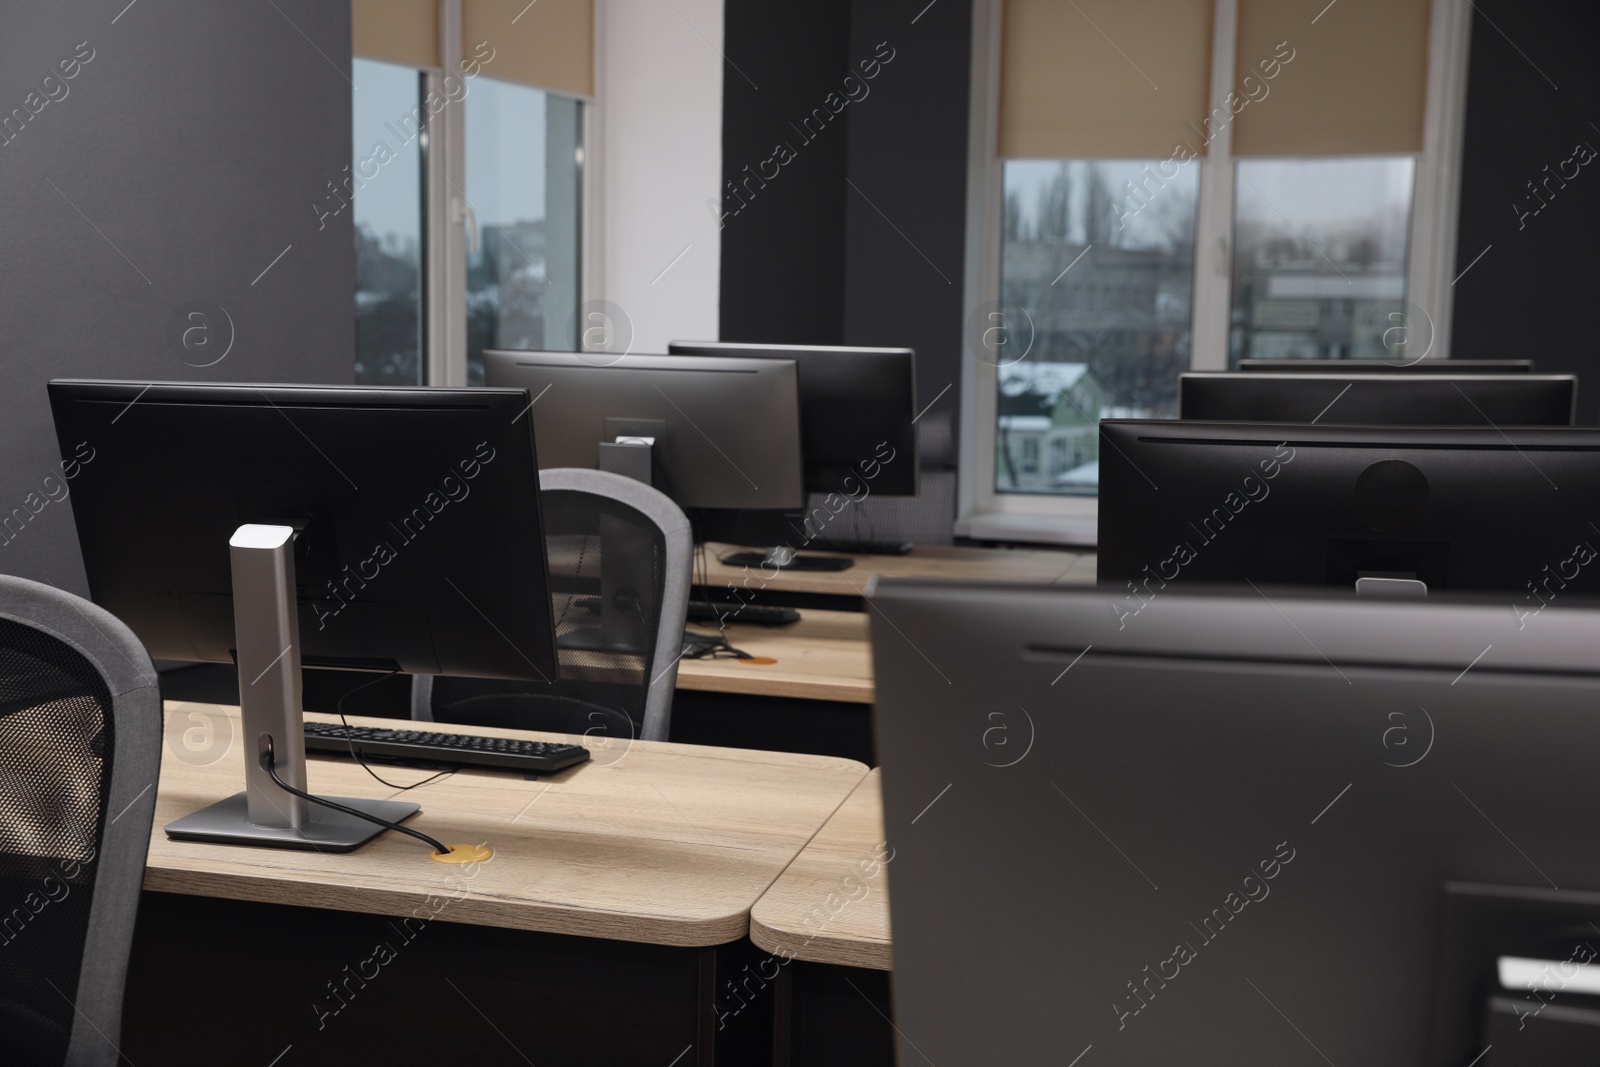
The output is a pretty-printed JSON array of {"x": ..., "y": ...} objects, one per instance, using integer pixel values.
[
  {"x": 1384, "y": 366},
  {"x": 856, "y": 406},
  {"x": 1221, "y": 833},
  {"x": 1458, "y": 507},
  {"x": 1381, "y": 399},
  {"x": 727, "y": 430}
]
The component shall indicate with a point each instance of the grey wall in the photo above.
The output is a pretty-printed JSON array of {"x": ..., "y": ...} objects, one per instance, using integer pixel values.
[
  {"x": 906, "y": 227},
  {"x": 192, "y": 147},
  {"x": 809, "y": 259},
  {"x": 1529, "y": 105}
]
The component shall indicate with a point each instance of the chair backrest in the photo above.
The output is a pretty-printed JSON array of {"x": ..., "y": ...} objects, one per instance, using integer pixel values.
[
  {"x": 621, "y": 557},
  {"x": 80, "y": 749}
]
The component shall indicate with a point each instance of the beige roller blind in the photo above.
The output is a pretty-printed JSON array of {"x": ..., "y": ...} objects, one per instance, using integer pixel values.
[
  {"x": 396, "y": 31},
  {"x": 548, "y": 44},
  {"x": 1107, "y": 79},
  {"x": 1356, "y": 84}
]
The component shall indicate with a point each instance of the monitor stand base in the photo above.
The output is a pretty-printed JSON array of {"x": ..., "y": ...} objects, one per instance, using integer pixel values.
[
  {"x": 227, "y": 822},
  {"x": 788, "y": 559}
]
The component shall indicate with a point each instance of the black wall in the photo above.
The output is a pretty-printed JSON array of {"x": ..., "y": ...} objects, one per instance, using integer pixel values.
[
  {"x": 1529, "y": 104},
  {"x": 906, "y": 218},
  {"x": 860, "y": 238},
  {"x": 183, "y": 157},
  {"x": 783, "y": 240}
]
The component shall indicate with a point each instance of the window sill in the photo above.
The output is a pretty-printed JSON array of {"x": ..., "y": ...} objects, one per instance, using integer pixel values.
[{"x": 1078, "y": 532}]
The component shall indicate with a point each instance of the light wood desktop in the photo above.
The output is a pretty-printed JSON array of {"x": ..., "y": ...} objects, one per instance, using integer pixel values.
[
  {"x": 957, "y": 563},
  {"x": 824, "y": 656},
  {"x": 827, "y": 654},
  {"x": 655, "y": 843},
  {"x": 818, "y": 910}
]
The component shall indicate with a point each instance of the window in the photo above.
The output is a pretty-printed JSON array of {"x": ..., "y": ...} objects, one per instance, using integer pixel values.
[
  {"x": 522, "y": 189},
  {"x": 466, "y": 176},
  {"x": 1319, "y": 258},
  {"x": 1168, "y": 186},
  {"x": 387, "y": 174},
  {"x": 1104, "y": 284}
]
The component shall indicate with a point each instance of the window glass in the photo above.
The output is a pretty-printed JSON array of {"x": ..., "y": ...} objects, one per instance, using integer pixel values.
[
  {"x": 385, "y": 189},
  {"x": 1097, "y": 285},
  {"x": 523, "y": 151},
  {"x": 1319, "y": 269}
]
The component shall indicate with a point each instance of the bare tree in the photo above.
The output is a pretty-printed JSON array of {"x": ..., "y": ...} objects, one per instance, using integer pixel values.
[
  {"x": 1015, "y": 223},
  {"x": 1100, "y": 222},
  {"x": 1055, "y": 207}
]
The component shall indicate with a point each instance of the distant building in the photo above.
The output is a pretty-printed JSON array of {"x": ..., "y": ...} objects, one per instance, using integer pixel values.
[
  {"x": 1049, "y": 435},
  {"x": 1296, "y": 309},
  {"x": 1122, "y": 312}
]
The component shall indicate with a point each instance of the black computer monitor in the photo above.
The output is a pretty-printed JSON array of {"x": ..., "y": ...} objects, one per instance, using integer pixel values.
[
  {"x": 857, "y": 405},
  {"x": 419, "y": 544},
  {"x": 1476, "y": 508},
  {"x": 1381, "y": 399},
  {"x": 725, "y": 433},
  {"x": 377, "y": 529},
  {"x": 1384, "y": 366},
  {"x": 1296, "y": 831},
  {"x": 857, "y": 427}
]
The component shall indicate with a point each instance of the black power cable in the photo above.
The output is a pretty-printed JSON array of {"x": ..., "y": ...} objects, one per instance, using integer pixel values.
[
  {"x": 350, "y": 742},
  {"x": 270, "y": 764}
]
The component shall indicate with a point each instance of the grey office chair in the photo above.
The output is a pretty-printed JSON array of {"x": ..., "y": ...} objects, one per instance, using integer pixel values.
[
  {"x": 80, "y": 748},
  {"x": 621, "y": 557}
]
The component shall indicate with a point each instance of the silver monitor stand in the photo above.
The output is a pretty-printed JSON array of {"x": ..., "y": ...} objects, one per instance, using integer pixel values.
[{"x": 266, "y": 630}]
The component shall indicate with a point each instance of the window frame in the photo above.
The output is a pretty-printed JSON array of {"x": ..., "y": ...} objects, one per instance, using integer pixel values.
[
  {"x": 985, "y": 514},
  {"x": 446, "y": 214}
]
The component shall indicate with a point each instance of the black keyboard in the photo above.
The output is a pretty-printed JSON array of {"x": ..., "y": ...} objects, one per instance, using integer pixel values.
[
  {"x": 862, "y": 548},
  {"x": 469, "y": 749},
  {"x": 733, "y": 611}
]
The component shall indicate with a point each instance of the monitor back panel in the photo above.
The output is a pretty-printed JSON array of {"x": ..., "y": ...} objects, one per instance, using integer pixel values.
[
  {"x": 1381, "y": 399},
  {"x": 1463, "y": 509},
  {"x": 420, "y": 544},
  {"x": 857, "y": 413},
  {"x": 1384, "y": 366},
  {"x": 728, "y": 431},
  {"x": 1218, "y": 834}
]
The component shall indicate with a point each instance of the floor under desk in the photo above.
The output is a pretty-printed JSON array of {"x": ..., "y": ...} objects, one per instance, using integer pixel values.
[{"x": 240, "y": 982}]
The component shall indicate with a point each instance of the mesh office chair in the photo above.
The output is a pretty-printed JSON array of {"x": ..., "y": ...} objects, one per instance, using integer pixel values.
[
  {"x": 620, "y": 563},
  {"x": 80, "y": 747}
]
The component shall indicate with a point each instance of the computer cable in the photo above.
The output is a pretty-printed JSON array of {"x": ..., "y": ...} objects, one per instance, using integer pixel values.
[
  {"x": 270, "y": 763},
  {"x": 716, "y": 648},
  {"x": 350, "y": 743}
]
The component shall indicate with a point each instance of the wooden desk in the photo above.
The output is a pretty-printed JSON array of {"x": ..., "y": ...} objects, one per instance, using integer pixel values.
[
  {"x": 809, "y": 914},
  {"x": 1044, "y": 566},
  {"x": 662, "y": 844},
  {"x": 601, "y": 931},
  {"x": 824, "y": 656}
]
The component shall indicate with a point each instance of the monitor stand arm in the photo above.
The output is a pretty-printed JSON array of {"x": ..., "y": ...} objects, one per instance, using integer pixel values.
[
  {"x": 267, "y": 632},
  {"x": 630, "y": 458}
]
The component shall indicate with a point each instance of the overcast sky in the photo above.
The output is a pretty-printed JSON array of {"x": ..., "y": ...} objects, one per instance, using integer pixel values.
[{"x": 505, "y": 148}]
